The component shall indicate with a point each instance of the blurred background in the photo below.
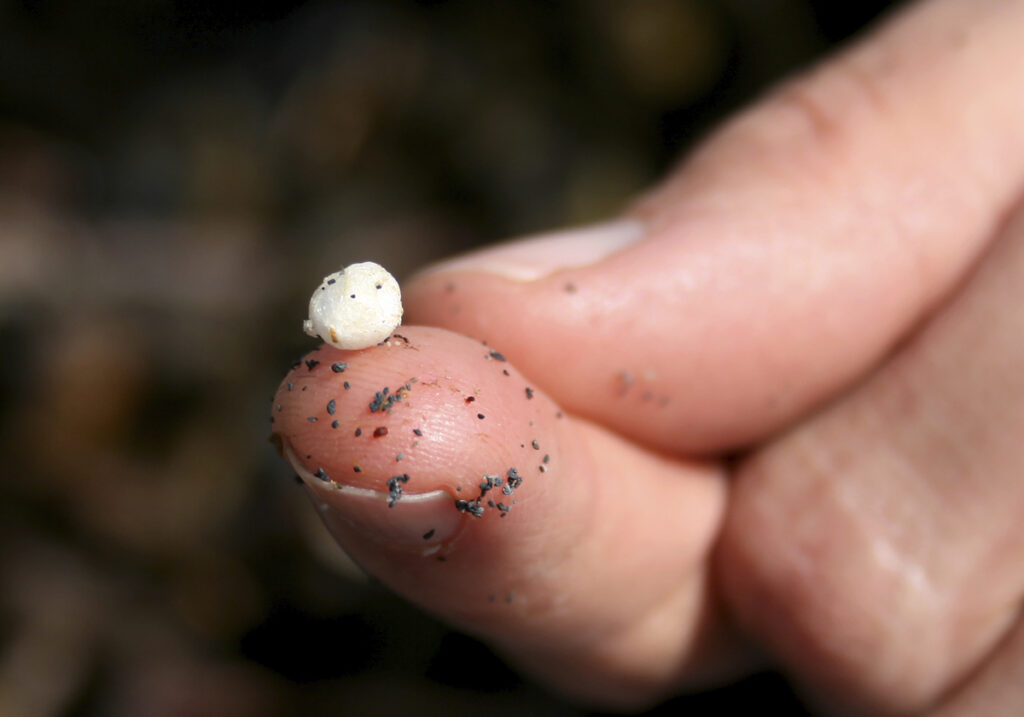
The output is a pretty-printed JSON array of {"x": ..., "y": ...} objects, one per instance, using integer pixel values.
[{"x": 175, "y": 177}]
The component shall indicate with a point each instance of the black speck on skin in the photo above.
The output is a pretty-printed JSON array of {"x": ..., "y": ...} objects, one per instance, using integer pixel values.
[
  {"x": 278, "y": 408},
  {"x": 312, "y": 363},
  {"x": 429, "y": 534},
  {"x": 351, "y": 296},
  {"x": 399, "y": 457},
  {"x": 535, "y": 444},
  {"x": 359, "y": 432},
  {"x": 347, "y": 385},
  {"x": 481, "y": 416},
  {"x": 497, "y": 356},
  {"x": 357, "y": 469},
  {"x": 331, "y": 281},
  {"x": 322, "y": 475},
  {"x": 384, "y": 400},
  {"x": 505, "y": 371},
  {"x": 334, "y": 424},
  {"x": 331, "y": 407},
  {"x": 339, "y": 366},
  {"x": 311, "y": 419},
  {"x": 470, "y": 399},
  {"x": 547, "y": 458},
  {"x": 529, "y": 392},
  {"x": 514, "y": 481},
  {"x": 395, "y": 488},
  {"x": 290, "y": 386},
  {"x": 380, "y": 431},
  {"x": 472, "y": 507},
  {"x": 417, "y": 431}
]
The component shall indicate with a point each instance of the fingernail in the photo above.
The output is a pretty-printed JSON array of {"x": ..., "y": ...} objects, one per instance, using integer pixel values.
[
  {"x": 413, "y": 521},
  {"x": 535, "y": 257}
]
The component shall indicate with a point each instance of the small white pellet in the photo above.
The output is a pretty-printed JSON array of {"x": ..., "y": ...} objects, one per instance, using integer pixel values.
[{"x": 355, "y": 308}]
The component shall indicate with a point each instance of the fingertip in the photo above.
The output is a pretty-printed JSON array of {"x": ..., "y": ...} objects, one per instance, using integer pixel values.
[{"x": 426, "y": 418}]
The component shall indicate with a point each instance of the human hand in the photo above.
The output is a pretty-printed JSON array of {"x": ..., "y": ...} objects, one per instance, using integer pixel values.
[{"x": 777, "y": 410}]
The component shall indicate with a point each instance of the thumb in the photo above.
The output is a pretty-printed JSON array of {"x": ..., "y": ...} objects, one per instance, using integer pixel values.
[{"x": 784, "y": 259}]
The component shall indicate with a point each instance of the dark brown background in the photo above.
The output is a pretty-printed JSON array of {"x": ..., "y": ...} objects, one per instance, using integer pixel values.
[{"x": 174, "y": 178}]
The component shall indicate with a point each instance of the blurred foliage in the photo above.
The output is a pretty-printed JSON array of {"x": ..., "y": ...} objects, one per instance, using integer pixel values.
[{"x": 174, "y": 176}]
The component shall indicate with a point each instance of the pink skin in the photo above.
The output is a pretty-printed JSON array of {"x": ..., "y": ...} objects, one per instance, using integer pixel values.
[{"x": 541, "y": 563}]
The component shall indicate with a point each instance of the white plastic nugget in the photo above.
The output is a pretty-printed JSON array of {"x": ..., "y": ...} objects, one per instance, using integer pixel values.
[{"x": 355, "y": 308}]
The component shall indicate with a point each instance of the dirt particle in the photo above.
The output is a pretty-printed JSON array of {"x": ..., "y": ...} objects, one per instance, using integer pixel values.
[
  {"x": 395, "y": 488},
  {"x": 380, "y": 431}
]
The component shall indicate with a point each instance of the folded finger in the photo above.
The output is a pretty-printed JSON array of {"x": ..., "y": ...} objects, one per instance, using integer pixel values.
[
  {"x": 785, "y": 257},
  {"x": 877, "y": 547}
]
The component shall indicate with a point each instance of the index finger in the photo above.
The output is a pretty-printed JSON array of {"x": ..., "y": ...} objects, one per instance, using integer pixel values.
[{"x": 785, "y": 258}]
